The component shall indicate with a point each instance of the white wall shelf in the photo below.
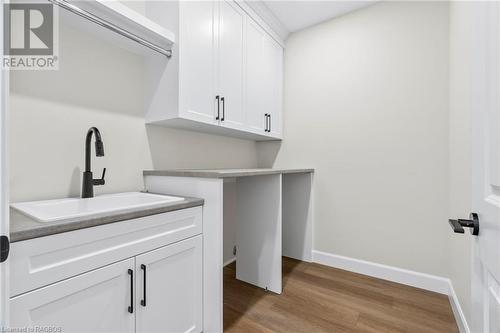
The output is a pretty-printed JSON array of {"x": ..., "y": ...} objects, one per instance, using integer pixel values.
[{"x": 121, "y": 24}]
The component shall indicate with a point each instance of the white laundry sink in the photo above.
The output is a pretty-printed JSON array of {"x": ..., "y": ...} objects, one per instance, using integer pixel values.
[{"x": 74, "y": 209}]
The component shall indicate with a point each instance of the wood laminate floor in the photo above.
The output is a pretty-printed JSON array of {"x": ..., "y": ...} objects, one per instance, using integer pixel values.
[{"x": 318, "y": 298}]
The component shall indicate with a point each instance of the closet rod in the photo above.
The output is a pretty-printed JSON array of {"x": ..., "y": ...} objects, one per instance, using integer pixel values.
[{"x": 91, "y": 17}]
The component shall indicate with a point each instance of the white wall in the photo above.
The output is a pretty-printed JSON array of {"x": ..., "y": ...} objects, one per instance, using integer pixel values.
[
  {"x": 366, "y": 104},
  {"x": 98, "y": 85}
]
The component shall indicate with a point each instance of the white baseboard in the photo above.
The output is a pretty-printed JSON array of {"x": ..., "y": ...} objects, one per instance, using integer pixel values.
[
  {"x": 433, "y": 283},
  {"x": 415, "y": 279},
  {"x": 457, "y": 311},
  {"x": 230, "y": 261}
]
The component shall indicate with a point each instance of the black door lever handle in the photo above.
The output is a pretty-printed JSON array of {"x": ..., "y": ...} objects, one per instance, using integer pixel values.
[
  {"x": 459, "y": 224},
  {"x": 457, "y": 228}
]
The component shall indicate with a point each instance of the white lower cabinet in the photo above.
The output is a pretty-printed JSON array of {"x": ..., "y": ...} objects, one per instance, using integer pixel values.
[
  {"x": 157, "y": 291},
  {"x": 96, "y": 301},
  {"x": 169, "y": 288}
]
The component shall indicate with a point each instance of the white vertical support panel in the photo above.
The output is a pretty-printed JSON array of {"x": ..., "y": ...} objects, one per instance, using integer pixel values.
[
  {"x": 229, "y": 219},
  {"x": 258, "y": 231},
  {"x": 212, "y": 191},
  {"x": 297, "y": 216},
  {"x": 4, "y": 180}
]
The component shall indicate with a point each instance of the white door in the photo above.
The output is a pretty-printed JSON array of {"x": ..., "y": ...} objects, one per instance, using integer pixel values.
[
  {"x": 230, "y": 63},
  {"x": 169, "y": 288},
  {"x": 98, "y": 301},
  {"x": 4, "y": 185},
  {"x": 197, "y": 61},
  {"x": 486, "y": 169},
  {"x": 255, "y": 76}
]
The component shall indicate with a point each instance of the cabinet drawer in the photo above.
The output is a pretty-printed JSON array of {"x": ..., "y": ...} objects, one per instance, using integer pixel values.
[{"x": 41, "y": 261}]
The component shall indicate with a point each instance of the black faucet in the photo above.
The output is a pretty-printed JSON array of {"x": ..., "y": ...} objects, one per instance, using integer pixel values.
[{"x": 88, "y": 180}]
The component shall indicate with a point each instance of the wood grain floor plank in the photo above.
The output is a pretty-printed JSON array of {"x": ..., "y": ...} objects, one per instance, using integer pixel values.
[{"x": 319, "y": 299}]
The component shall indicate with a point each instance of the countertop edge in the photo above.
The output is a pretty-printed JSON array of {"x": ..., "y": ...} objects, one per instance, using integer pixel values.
[
  {"x": 222, "y": 173},
  {"x": 41, "y": 230}
]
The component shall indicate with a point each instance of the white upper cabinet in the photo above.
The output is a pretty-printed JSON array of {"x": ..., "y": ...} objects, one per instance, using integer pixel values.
[
  {"x": 197, "y": 61},
  {"x": 273, "y": 58},
  {"x": 230, "y": 64},
  {"x": 255, "y": 104},
  {"x": 264, "y": 82},
  {"x": 226, "y": 77}
]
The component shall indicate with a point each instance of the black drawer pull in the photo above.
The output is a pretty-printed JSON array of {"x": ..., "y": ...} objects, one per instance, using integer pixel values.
[
  {"x": 223, "y": 109},
  {"x": 143, "y": 301},
  {"x": 217, "y": 98},
  {"x": 131, "y": 307}
]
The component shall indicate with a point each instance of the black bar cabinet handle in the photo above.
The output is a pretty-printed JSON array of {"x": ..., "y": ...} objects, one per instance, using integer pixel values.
[
  {"x": 4, "y": 248},
  {"x": 218, "y": 107},
  {"x": 131, "y": 307},
  {"x": 143, "y": 301},
  {"x": 270, "y": 126},
  {"x": 223, "y": 108},
  {"x": 265, "y": 115}
]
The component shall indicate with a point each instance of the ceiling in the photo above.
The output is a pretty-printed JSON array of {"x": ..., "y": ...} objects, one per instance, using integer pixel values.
[{"x": 296, "y": 15}]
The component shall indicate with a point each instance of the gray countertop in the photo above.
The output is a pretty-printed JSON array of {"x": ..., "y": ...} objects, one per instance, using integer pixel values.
[
  {"x": 23, "y": 227},
  {"x": 222, "y": 173}
]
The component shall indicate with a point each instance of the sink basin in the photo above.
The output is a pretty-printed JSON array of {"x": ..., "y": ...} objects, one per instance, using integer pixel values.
[{"x": 75, "y": 209}]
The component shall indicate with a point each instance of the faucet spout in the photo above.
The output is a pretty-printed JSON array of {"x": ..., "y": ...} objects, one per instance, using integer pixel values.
[
  {"x": 88, "y": 180},
  {"x": 99, "y": 147}
]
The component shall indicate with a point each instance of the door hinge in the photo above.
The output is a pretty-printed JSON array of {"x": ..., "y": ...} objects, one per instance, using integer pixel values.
[{"x": 4, "y": 248}]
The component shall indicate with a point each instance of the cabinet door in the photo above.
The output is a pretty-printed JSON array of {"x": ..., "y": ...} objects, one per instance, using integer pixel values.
[
  {"x": 169, "y": 288},
  {"x": 97, "y": 301},
  {"x": 273, "y": 62},
  {"x": 255, "y": 87},
  {"x": 230, "y": 63},
  {"x": 264, "y": 81},
  {"x": 197, "y": 61}
]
